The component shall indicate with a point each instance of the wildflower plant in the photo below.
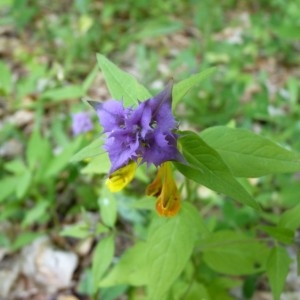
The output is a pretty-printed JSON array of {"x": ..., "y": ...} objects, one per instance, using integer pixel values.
[
  {"x": 145, "y": 134},
  {"x": 81, "y": 123},
  {"x": 139, "y": 128}
]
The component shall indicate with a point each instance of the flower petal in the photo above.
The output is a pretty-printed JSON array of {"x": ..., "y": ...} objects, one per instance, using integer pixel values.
[
  {"x": 111, "y": 115},
  {"x": 120, "y": 178},
  {"x": 145, "y": 133},
  {"x": 168, "y": 202},
  {"x": 81, "y": 123}
]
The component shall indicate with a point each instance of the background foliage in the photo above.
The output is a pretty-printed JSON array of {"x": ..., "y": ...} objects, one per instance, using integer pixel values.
[{"x": 48, "y": 63}]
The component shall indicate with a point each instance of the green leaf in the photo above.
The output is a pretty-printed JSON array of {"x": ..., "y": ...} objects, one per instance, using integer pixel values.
[
  {"x": 112, "y": 293},
  {"x": 233, "y": 253},
  {"x": 277, "y": 270},
  {"x": 131, "y": 268},
  {"x": 24, "y": 239},
  {"x": 97, "y": 165},
  {"x": 62, "y": 159},
  {"x": 144, "y": 203},
  {"x": 121, "y": 85},
  {"x": 79, "y": 231},
  {"x": 91, "y": 150},
  {"x": 196, "y": 291},
  {"x": 23, "y": 184},
  {"x": 182, "y": 87},
  {"x": 283, "y": 235},
  {"x": 290, "y": 219},
  {"x": 158, "y": 27},
  {"x": 102, "y": 257},
  {"x": 33, "y": 149},
  {"x": 169, "y": 247},
  {"x": 85, "y": 285},
  {"x": 248, "y": 154},
  {"x": 5, "y": 79},
  {"x": 15, "y": 166},
  {"x": 44, "y": 159},
  {"x": 36, "y": 214},
  {"x": 108, "y": 207},
  {"x": 38, "y": 154},
  {"x": 89, "y": 80},
  {"x": 189, "y": 290},
  {"x": 63, "y": 93},
  {"x": 206, "y": 167},
  {"x": 8, "y": 186}
]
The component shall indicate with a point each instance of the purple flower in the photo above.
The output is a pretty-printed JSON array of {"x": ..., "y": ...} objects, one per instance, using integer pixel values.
[
  {"x": 81, "y": 122},
  {"x": 144, "y": 134}
]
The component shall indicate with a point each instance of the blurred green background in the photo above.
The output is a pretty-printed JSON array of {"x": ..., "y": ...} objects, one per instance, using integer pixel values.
[{"x": 48, "y": 63}]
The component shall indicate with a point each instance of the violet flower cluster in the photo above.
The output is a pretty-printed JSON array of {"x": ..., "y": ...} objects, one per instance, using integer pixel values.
[
  {"x": 81, "y": 123},
  {"x": 145, "y": 134}
]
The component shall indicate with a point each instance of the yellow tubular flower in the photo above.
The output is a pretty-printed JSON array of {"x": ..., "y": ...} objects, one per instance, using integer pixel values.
[
  {"x": 155, "y": 187},
  {"x": 120, "y": 178},
  {"x": 164, "y": 186}
]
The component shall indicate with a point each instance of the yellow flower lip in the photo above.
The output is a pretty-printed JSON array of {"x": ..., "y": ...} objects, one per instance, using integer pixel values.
[
  {"x": 164, "y": 187},
  {"x": 169, "y": 211},
  {"x": 121, "y": 177},
  {"x": 155, "y": 187}
]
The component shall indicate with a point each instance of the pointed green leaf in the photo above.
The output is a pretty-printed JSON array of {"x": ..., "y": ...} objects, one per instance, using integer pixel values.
[
  {"x": 152, "y": 28},
  {"x": 36, "y": 214},
  {"x": 169, "y": 246},
  {"x": 44, "y": 158},
  {"x": 97, "y": 165},
  {"x": 23, "y": 184},
  {"x": 122, "y": 85},
  {"x": 91, "y": 150},
  {"x": 130, "y": 269},
  {"x": 233, "y": 253},
  {"x": 196, "y": 291},
  {"x": 182, "y": 87},
  {"x": 102, "y": 258},
  {"x": 144, "y": 203},
  {"x": 290, "y": 219},
  {"x": 277, "y": 270},
  {"x": 283, "y": 235},
  {"x": 15, "y": 166},
  {"x": 33, "y": 149},
  {"x": 206, "y": 167},
  {"x": 62, "y": 159},
  {"x": 80, "y": 231},
  {"x": 189, "y": 290},
  {"x": 8, "y": 186},
  {"x": 6, "y": 79},
  {"x": 248, "y": 154},
  {"x": 24, "y": 238},
  {"x": 38, "y": 154},
  {"x": 63, "y": 93},
  {"x": 108, "y": 207}
]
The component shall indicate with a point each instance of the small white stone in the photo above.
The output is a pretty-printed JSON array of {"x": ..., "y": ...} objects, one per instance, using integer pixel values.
[{"x": 49, "y": 267}]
